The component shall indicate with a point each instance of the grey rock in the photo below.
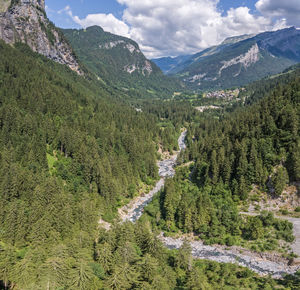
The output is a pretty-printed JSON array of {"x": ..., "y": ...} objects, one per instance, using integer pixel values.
[
  {"x": 263, "y": 264},
  {"x": 27, "y": 22},
  {"x": 133, "y": 211}
]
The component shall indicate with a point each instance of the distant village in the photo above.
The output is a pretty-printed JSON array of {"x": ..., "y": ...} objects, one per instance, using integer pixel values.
[{"x": 223, "y": 94}]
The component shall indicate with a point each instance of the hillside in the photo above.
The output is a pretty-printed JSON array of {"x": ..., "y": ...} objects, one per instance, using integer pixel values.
[
  {"x": 171, "y": 65},
  {"x": 119, "y": 62},
  {"x": 237, "y": 62},
  {"x": 70, "y": 151},
  {"x": 26, "y": 21},
  {"x": 81, "y": 139},
  {"x": 253, "y": 149}
]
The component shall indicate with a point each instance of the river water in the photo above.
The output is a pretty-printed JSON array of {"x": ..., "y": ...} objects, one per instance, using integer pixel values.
[
  {"x": 259, "y": 263},
  {"x": 134, "y": 210}
]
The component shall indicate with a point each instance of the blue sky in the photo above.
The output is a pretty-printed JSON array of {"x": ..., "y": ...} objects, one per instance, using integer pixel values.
[
  {"x": 85, "y": 7},
  {"x": 81, "y": 8},
  {"x": 176, "y": 27}
]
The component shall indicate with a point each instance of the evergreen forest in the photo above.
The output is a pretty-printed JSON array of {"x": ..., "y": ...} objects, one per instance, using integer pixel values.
[{"x": 74, "y": 149}]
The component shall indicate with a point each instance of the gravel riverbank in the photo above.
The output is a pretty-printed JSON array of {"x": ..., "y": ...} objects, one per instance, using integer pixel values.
[
  {"x": 134, "y": 210},
  {"x": 261, "y": 263}
]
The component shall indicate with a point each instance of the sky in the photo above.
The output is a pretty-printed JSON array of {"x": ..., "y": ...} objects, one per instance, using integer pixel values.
[{"x": 176, "y": 27}]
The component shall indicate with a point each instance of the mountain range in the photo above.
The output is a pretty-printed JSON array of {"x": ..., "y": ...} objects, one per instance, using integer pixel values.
[
  {"x": 118, "y": 61},
  {"x": 80, "y": 147},
  {"x": 237, "y": 61}
]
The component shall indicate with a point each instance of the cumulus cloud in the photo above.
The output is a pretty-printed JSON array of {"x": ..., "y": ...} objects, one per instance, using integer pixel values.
[
  {"x": 287, "y": 11},
  {"x": 168, "y": 27},
  {"x": 107, "y": 21}
]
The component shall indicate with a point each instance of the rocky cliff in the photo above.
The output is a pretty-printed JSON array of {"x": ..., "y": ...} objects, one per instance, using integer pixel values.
[{"x": 26, "y": 21}]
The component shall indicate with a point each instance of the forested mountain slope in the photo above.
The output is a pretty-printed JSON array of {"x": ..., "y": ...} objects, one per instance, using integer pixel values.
[
  {"x": 69, "y": 152},
  {"x": 258, "y": 145},
  {"x": 238, "y": 62},
  {"x": 172, "y": 65},
  {"x": 119, "y": 62},
  {"x": 72, "y": 150}
]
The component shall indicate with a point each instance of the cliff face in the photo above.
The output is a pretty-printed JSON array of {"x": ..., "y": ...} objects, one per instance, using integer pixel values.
[{"x": 26, "y": 21}]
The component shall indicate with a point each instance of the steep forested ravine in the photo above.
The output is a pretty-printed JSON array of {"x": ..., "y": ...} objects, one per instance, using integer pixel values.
[
  {"x": 262, "y": 264},
  {"x": 134, "y": 210}
]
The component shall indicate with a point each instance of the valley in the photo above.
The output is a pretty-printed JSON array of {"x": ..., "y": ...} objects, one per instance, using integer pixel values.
[
  {"x": 118, "y": 171},
  {"x": 134, "y": 210},
  {"x": 261, "y": 263}
]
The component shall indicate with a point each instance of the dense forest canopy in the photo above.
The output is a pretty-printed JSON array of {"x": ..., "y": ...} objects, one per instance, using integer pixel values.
[
  {"x": 257, "y": 144},
  {"x": 73, "y": 150},
  {"x": 119, "y": 62}
]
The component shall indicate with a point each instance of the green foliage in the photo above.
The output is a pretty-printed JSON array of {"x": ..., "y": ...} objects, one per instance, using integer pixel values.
[
  {"x": 70, "y": 150},
  {"x": 209, "y": 63},
  {"x": 135, "y": 259},
  {"x": 109, "y": 56},
  {"x": 211, "y": 213},
  {"x": 280, "y": 180},
  {"x": 243, "y": 148}
]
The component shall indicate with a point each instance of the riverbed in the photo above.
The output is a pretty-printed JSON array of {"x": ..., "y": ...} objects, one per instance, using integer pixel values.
[
  {"x": 263, "y": 264},
  {"x": 166, "y": 169}
]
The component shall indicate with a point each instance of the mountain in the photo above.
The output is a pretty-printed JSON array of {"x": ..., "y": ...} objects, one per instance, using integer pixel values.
[
  {"x": 237, "y": 62},
  {"x": 26, "y": 21},
  {"x": 166, "y": 64},
  {"x": 170, "y": 65},
  {"x": 235, "y": 39},
  {"x": 118, "y": 60}
]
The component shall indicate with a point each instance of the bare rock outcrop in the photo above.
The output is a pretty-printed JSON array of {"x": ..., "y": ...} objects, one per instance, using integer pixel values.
[{"x": 26, "y": 21}]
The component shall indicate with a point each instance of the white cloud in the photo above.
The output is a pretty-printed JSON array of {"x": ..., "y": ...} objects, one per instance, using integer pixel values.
[
  {"x": 107, "y": 21},
  {"x": 288, "y": 10},
  {"x": 168, "y": 27}
]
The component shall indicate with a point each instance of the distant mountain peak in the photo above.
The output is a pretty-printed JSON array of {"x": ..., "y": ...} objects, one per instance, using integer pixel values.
[
  {"x": 235, "y": 39},
  {"x": 26, "y": 21},
  {"x": 238, "y": 60}
]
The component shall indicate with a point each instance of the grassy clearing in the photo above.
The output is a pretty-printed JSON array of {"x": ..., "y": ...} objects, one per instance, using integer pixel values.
[{"x": 51, "y": 160}]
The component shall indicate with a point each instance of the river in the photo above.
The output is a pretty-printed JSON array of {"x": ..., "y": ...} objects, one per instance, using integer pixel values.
[
  {"x": 261, "y": 263},
  {"x": 134, "y": 210}
]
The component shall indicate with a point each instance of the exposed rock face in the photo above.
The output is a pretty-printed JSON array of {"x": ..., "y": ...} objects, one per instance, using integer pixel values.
[
  {"x": 140, "y": 64},
  {"x": 26, "y": 21},
  {"x": 250, "y": 57}
]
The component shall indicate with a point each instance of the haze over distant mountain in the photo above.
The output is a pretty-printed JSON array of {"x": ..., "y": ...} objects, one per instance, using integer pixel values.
[
  {"x": 167, "y": 64},
  {"x": 240, "y": 60},
  {"x": 171, "y": 64},
  {"x": 117, "y": 60}
]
